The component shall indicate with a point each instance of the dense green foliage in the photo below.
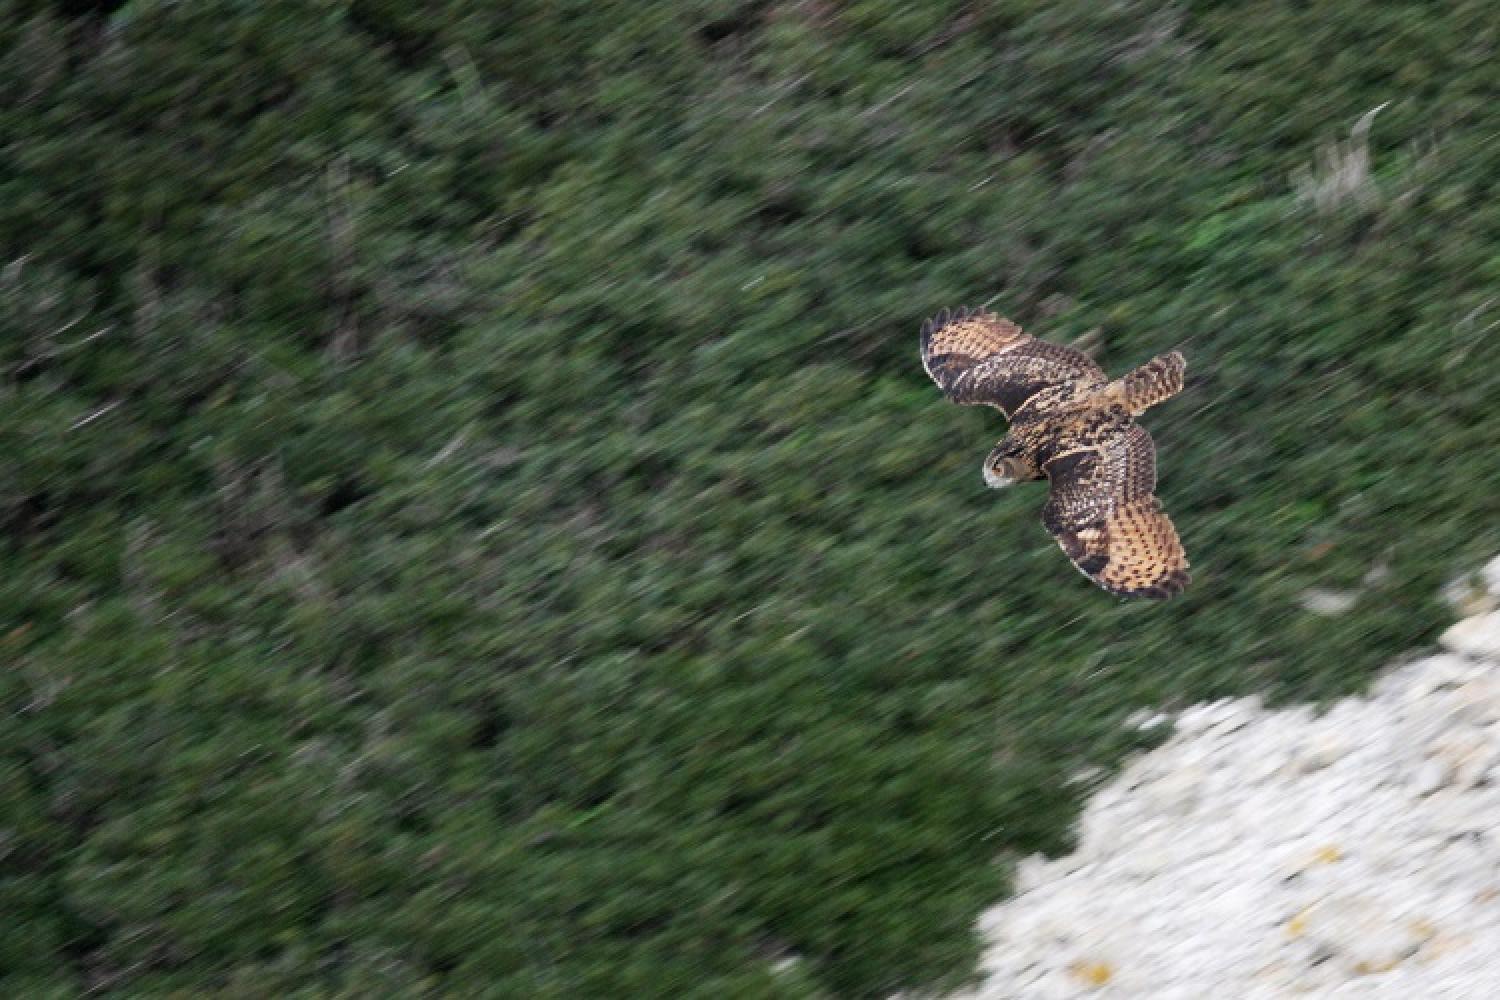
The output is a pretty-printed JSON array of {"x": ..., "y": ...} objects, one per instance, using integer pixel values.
[{"x": 474, "y": 520}]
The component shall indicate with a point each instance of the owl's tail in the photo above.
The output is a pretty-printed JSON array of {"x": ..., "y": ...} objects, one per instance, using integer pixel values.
[{"x": 1154, "y": 382}]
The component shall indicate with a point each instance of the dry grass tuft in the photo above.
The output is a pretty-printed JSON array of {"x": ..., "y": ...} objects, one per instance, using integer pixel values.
[{"x": 1341, "y": 173}]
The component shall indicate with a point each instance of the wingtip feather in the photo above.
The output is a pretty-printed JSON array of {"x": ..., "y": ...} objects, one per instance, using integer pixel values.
[
  {"x": 934, "y": 323},
  {"x": 1168, "y": 587}
]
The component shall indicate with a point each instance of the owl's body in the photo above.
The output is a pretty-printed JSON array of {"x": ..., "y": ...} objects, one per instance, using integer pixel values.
[{"x": 1072, "y": 425}]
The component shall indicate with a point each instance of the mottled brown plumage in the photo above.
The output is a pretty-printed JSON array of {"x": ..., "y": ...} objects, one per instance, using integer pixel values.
[{"x": 1073, "y": 426}]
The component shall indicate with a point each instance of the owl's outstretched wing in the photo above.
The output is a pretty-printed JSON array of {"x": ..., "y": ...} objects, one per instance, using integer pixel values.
[
  {"x": 979, "y": 357},
  {"x": 1104, "y": 513}
]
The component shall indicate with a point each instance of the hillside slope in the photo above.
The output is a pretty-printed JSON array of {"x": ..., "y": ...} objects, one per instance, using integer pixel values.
[{"x": 474, "y": 522}]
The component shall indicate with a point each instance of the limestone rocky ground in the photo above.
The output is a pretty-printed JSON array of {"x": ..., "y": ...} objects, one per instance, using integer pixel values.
[{"x": 1351, "y": 851}]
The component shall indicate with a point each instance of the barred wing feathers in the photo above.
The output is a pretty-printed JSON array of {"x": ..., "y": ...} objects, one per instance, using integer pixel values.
[
  {"x": 979, "y": 357},
  {"x": 1104, "y": 514}
]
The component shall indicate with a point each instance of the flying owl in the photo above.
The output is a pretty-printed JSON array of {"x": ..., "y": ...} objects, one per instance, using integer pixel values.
[{"x": 1070, "y": 424}]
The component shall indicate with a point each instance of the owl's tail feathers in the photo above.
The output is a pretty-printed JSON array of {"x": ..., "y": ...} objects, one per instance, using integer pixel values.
[{"x": 1154, "y": 382}]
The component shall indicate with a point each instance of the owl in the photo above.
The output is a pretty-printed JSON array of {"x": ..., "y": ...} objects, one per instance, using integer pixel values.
[{"x": 1074, "y": 426}]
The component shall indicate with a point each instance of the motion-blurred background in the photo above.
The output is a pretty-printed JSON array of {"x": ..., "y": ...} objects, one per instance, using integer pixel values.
[{"x": 474, "y": 521}]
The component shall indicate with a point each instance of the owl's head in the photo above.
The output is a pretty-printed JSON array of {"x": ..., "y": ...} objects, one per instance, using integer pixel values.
[{"x": 1003, "y": 468}]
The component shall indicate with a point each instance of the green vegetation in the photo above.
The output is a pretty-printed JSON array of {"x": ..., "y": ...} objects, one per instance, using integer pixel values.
[{"x": 474, "y": 521}]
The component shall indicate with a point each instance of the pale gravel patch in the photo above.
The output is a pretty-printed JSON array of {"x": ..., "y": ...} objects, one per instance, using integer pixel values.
[{"x": 1257, "y": 853}]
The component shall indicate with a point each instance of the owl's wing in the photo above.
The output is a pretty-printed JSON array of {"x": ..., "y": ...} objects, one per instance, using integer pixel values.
[
  {"x": 979, "y": 357},
  {"x": 1104, "y": 513}
]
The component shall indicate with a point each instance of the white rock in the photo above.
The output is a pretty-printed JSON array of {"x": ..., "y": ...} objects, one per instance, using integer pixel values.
[
  {"x": 1477, "y": 637},
  {"x": 1466, "y": 756},
  {"x": 1491, "y": 576},
  {"x": 1328, "y": 602},
  {"x": 1323, "y": 751},
  {"x": 1472, "y": 593},
  {"x": 1431, "y": 776},
  {"x": 1144, "y": 719},
  {"x": 1478, "y": 701},
  {"x": 1350, "y": 852},
  {"x": 1365, "y": 934}
]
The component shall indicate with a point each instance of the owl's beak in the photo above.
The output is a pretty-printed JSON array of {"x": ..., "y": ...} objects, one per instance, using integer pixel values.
[{"x": 997, "y": 479}]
